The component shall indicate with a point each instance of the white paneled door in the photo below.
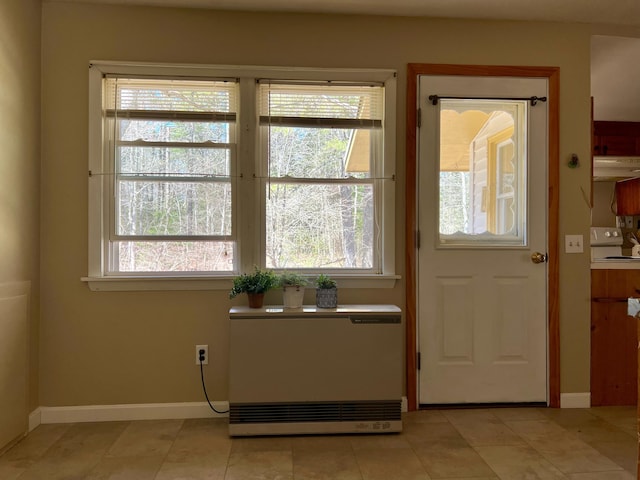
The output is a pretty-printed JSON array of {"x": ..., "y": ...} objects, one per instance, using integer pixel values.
[{"x": 482, "y": 215}]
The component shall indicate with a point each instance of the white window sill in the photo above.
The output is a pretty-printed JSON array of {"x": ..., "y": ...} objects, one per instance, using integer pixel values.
[{"x": 142, "y": 283}]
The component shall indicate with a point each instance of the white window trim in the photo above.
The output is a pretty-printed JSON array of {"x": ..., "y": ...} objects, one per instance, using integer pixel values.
[{"x": 246, "y": 127}]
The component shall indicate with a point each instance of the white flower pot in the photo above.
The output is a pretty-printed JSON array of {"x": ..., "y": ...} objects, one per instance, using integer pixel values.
[{"x": 292, "y": 297}]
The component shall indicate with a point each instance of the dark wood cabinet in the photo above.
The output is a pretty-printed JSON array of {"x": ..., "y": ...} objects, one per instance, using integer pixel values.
[
  {"x": 616, "y": 138},
  {"x": 628, "y": 197},
  {"x": 614, "y": 338}
]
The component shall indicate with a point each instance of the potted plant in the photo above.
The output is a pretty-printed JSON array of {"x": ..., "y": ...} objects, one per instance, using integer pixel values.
[
  {"x": 326, "y": 292},
  {"x": 254, "y": 285},
  {"x": 292, "y": 289}
]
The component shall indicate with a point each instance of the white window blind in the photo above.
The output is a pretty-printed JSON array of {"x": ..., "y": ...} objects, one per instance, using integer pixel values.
[
  {"x": 326, "y": 104},
  {"x": 143, "y": 96}
]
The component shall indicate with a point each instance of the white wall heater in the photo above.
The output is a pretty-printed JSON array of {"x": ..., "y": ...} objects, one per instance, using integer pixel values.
[{"x": 312, "y": 370}]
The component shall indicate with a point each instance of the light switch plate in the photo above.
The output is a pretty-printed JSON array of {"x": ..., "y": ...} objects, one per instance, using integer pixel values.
[{"x": 573, "y": 244}]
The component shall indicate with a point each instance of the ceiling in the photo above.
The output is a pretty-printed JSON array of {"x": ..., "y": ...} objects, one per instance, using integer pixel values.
[{"x": 612, "y": 12}]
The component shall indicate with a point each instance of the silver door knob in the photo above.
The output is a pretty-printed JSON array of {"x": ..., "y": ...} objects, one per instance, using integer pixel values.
[{"x": 538, "y": 257}]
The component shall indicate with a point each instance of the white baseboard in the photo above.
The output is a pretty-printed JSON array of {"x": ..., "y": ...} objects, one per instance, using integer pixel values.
[
  {"x": 575, "y": 400},
  {"x": 127, "y": 412},
  {"x": 35, "y": 419},
  {"x": 109, "y": 413}
]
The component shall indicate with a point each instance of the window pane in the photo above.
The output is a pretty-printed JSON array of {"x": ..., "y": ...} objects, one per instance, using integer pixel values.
[
  {"x": 174, "y": 161},
  {"x": 319, "y": 152},
  {"x": 173, "y": 208},
  {"x": 173, "y": 131},
  {"x": 483, "y": 165},
  {"x": 173, "y": 256},
  {"x": 319, "y": 226}
]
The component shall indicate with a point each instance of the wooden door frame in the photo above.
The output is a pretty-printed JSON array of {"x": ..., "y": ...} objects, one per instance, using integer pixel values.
[{"x": 414, "y": 70}]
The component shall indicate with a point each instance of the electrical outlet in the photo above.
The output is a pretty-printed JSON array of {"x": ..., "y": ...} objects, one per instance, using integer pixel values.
[
  {"x": 628, "y": 221},
  {"x": 573, "y": 244},
  {"x": 205, "y": 360}
]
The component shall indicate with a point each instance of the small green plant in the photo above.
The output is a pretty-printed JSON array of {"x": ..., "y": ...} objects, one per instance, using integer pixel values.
[
  {"x": 257, "y": 282},
  {"x": 291, "y": 279},
  {"x": 325, "y": 282}
]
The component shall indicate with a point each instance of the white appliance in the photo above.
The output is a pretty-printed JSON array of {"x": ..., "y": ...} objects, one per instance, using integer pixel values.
[
  {"x": 606, "y": 246},
  {"x": 615, "y": 168},
  {"x": 313, "y": 370}
]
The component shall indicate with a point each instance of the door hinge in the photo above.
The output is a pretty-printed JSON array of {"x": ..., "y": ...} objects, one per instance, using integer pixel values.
[
  {"x": 417, "y": 239},
  {"x": 418, "y": 360},
  {"x": 419, "y": 117}
]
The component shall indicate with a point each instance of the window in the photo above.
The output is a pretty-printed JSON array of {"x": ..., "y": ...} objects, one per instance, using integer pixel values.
[
  {"x": 171, "y": 147},
  {"x": 206, "y": 171},
  {"x": 323, "y": 147}
]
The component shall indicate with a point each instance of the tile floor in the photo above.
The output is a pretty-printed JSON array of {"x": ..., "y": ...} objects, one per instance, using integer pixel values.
[{"x": 472, "y": 444}]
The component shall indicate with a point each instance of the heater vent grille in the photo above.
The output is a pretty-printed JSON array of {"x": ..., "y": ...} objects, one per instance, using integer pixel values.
[{"x": 315, "y": 412}]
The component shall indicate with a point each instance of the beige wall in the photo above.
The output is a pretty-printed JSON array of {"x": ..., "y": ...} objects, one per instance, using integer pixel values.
[
  {"x": 603, "y": 193},
  {"x": 138, "y": 347},
  {"x": 19, "y": 212}
]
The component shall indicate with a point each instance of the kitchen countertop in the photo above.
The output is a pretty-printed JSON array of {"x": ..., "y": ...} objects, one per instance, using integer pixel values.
[{"x": 616, "y": 265}]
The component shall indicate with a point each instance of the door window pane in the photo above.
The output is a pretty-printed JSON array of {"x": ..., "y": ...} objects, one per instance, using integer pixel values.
[{"x": 482, "y": 170}]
